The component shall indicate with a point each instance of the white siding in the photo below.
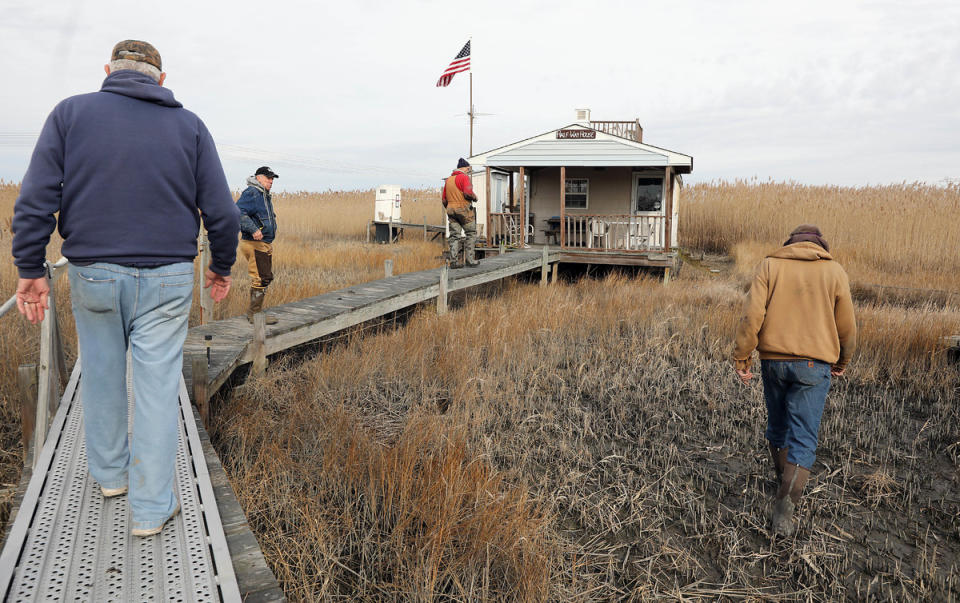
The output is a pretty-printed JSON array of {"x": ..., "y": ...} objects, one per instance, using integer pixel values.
[{"x": 599, "y": 153}]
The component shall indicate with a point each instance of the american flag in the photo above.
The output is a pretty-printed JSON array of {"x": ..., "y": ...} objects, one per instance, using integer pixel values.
[{"x": 460, "y": 63}]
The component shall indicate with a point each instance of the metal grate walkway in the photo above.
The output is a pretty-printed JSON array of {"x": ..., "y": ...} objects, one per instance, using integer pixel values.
[{"x": 68, "y": 543}]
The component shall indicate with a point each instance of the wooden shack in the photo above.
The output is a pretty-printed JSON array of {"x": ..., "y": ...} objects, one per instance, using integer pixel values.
[{"x": 592, "y": 188}]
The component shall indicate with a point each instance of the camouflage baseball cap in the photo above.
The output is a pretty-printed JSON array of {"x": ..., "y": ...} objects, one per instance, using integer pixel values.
[{"x": 136, "y": 50}]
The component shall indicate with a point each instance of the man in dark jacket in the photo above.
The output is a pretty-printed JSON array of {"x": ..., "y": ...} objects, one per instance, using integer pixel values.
[
  {"x": 130, "y": 172},
  {"x": 258, "y": 223},
  {"x": 458, "y": 198}
]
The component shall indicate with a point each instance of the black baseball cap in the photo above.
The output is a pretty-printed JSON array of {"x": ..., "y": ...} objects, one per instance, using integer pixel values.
[{"x": 265, "y": 171}]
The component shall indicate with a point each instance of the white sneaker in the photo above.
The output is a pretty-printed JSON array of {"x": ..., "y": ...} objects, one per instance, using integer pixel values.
[
  {"x": 111, "y": 492},
  {"x": 158, "y": 529}
]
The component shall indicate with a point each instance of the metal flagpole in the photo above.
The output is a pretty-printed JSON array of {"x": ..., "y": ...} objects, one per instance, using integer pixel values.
[
  {"x": 471, "y": 106},
  {"x": 470, "y": 112}
]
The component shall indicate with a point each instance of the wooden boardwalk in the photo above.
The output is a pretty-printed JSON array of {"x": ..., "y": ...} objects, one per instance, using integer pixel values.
[
  {"x": 65, "y": 541},
  {"x": 231, "y": 340}
]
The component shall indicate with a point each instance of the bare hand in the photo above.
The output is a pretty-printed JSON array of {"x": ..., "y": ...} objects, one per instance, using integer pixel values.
[
  {"x": 257, "y": 236},
  {"x": 32, "y": 298},
  {"x": 837, "y": 372},
  {"x": 745, "y": 376},
  {"x": 219, "y": 285}
]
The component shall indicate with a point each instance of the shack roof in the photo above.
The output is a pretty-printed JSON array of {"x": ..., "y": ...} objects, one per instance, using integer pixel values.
[{"x": 562, "y": 147}]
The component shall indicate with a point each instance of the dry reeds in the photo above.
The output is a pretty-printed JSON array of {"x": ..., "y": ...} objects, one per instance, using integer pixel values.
[
  {"x": 588, "y": 441},
  {"x": 901, "y": 234}
]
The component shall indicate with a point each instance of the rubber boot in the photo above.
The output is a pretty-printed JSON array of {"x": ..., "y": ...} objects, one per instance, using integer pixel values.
[
  {"x": 788, "y": 497},
  {"x": 779, "y": 456},
  {"x": 256, "y": 305},
  {"x": 454, "y": 253},
  {"x": 470, "y": 254}
]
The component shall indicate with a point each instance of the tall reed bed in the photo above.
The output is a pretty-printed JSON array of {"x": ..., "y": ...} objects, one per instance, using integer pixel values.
[
  {"x": 638, "y": 457},
  {"x": 900, "y": 234}
]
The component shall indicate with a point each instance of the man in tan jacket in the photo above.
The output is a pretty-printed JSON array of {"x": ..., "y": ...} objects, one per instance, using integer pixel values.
[{"x": 799, "y": 316}]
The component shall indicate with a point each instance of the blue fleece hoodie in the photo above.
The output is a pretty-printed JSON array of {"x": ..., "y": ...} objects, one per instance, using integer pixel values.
[{"x": 128, "y": 168}]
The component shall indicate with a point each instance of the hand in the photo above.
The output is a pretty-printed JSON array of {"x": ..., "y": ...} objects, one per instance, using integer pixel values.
[
  {"x": 32, "y": 298},
  {"x": 745, "y": 376},
  {"x": 219, "y": 285},
  {"x": 837, "y": 372},
  {"x": 257, "y": 236}
]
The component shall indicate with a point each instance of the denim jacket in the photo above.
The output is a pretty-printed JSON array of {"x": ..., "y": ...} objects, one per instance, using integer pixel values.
[{"x": 256, "y": 212}]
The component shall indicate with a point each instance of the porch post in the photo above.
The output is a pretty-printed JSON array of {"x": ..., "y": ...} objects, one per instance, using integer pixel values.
[
  {"x": 510, "y": 193},
  {"x": 563, "y": 207},
  {"x": 668, "y": 204},
  {"x": 487, "y": 227},
  {"x": 523, "y": 204}
]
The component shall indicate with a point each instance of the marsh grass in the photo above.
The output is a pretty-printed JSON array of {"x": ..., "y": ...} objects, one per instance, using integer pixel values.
[
  {"x": 901, "y": 234},
  {"x": 586, "y": 441},
  {"x": 640, "y": 457}
]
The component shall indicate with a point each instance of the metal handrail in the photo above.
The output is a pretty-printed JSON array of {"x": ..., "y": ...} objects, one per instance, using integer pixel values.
[
  {"x": 52, "y": 370},
  {"x": 51, "y": 270}
]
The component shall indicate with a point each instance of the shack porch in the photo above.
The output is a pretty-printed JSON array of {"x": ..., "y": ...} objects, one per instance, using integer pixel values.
[{"x": 591, "y": 188}]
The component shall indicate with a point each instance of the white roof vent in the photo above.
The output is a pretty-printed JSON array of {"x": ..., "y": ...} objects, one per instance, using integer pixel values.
[{"x": 583, "y": 116}]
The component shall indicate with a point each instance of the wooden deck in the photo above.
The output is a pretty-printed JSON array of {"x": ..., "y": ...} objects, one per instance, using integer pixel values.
[{"x": 230, "y": 340}]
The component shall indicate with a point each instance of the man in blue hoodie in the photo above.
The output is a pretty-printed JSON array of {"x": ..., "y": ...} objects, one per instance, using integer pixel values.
[
  {"x": 130, "y": 172},
  {"x": 258, "y": 223}
]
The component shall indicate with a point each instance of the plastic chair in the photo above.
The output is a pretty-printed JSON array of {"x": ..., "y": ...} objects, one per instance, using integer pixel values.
[{"x": 598, "y": 233}]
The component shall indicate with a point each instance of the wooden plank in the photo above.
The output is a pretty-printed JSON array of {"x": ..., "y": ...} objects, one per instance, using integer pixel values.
[
  {"x": 256, "y": 581},
  {"x": 345, "y": 320}
]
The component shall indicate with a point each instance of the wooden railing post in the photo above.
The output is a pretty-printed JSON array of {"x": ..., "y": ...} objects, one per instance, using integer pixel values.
[
  {"x": 424, "y": 228},
  {"x": 48, "y": 378},
  {"x": 259, "y": 345},
  {"x": 388, "y": 268},
  {"x": 668, "y": 209},
  {"x": 27, "y": 378},
  {"x": 563, "y": 207},
  {"x": 442, "y": 294},
  {"x": 206, "y": 301},
  {"x": 200, "y": 386},
  {"x": 544, "y": 266},
  {"x": 487, "y": 195},
  {"x": 523, "y": 205}
]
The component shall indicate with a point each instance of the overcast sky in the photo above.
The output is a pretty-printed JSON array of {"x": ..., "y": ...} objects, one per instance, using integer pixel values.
[{"x": 342, "y": 94}]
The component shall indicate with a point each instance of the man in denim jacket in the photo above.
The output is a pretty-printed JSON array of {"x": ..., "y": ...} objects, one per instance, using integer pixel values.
[{"x": 258, "y": 224}]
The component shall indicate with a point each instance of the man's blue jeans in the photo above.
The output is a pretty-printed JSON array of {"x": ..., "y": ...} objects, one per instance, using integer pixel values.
[
  {"x": 795, "y": 391},
  {"x": 145, "y": 309}
]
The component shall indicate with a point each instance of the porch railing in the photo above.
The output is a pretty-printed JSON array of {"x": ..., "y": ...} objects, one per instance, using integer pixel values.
[
  {"x": 506, "y": 228},
  {"x": 624, "y": 232},
  {"x": 623, "y": 129}
]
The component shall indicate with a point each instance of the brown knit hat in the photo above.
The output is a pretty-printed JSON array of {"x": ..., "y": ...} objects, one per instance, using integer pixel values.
[
  {"x": 810, "y": 233},
  {"x": 137, "y": 50}
]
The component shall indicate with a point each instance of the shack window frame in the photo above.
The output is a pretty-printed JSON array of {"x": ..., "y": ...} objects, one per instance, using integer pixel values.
[{"x": 585, "y": 193}]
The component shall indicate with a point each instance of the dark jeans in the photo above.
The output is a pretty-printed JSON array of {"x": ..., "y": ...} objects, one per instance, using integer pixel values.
[{"x": 795, "y": 391}]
